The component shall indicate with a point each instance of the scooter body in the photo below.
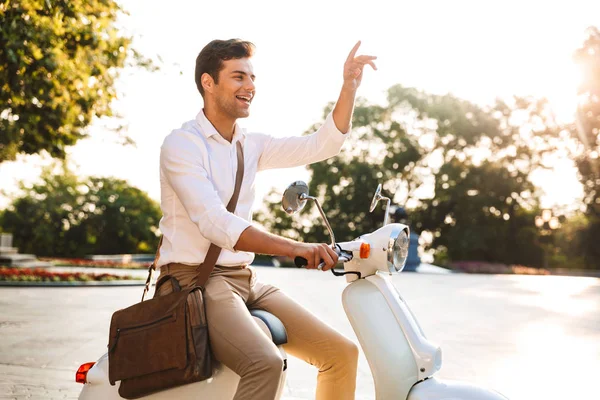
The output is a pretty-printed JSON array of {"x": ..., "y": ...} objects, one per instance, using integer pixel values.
[
  {"x": 370, "y": 303},
  {"x": 402, "y": 360}
]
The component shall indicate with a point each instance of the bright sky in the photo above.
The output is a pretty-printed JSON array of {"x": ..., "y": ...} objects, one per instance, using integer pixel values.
[{"x": 475, "y": 49}]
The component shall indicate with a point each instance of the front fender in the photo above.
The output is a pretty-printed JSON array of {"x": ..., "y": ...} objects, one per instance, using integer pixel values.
[{"x": 435, "y": 389}]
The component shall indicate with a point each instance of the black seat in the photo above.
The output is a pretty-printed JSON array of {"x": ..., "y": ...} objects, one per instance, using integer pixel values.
[{"x": 278, "y": 332}]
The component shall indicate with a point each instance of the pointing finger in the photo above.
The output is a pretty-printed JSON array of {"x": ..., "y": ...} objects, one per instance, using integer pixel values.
[{"x": 353, "y": 51}]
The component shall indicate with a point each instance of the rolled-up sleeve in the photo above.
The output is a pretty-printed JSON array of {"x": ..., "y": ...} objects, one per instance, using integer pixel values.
[
  {"x": 185, "y": 173},
  {"x": 295, "y": 151}
]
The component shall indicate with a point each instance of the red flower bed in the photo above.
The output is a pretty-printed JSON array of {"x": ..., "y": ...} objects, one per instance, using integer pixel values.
[
  {"x": 42, "y": 275},
  {"x": 479, "y": 267},
  {"x": 80, "y": 262}
]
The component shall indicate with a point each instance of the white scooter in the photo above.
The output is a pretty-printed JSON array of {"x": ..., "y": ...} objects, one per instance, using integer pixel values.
[{"x": 403, "y": 362}]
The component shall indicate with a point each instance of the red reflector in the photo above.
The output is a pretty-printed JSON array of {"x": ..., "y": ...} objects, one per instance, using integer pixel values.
[
  {"x": 365, "y": 250},
  {"x": 81, "y": 375}
]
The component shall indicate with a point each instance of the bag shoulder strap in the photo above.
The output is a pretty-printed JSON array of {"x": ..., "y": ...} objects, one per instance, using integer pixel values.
[
  {"x": 152, "y": 268},
  {"x": 205, "y": 269}
]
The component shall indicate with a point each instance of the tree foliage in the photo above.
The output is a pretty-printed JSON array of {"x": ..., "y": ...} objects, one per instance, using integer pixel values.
[
  {"x": 64, "y": 215},
  {"x": 588, "y": 124},
  {"x": 587, "y": 129},
  {"x": 58, "y": 64},
  {"x": 346, "y": 184},
  {"x": 462, "y": 170}
]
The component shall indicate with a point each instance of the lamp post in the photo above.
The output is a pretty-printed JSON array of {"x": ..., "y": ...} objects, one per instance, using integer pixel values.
[{"x": 547, "y": 223}]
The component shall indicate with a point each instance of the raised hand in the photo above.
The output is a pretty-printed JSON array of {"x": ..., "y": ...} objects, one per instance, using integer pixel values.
[{"x": 353, "y": 67}]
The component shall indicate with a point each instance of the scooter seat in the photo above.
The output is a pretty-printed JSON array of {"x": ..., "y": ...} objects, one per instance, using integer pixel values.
[{"x": 278, "y": 332}]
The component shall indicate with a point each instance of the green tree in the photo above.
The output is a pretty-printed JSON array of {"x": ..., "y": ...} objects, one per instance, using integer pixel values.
[
  {"x": 587, "y": 129},
  {"x": 481, "y": 212},
  {"x": 484, "y": 204},
  {"x": 345, "y": 184},
  {"x": 475, "y": 161},
  {"x": 568, "y": 243},
  {"x": 58, "y": 64},
  {"x": 69, "y": 217}
]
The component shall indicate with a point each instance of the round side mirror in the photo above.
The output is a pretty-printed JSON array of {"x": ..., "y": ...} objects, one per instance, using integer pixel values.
[
  {"x": 376, "y": 198},
  {"x": 293, "y": 200}
]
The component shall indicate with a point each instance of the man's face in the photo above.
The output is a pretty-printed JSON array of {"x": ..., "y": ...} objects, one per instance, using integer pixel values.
[{"x": 235, "y": 90}]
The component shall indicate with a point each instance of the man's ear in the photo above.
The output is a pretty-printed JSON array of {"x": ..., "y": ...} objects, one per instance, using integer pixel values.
[{"x": 208, "y": 82}]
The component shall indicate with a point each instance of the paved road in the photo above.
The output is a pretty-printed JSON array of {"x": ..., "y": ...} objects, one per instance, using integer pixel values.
[{"x": 528, "y": 337}]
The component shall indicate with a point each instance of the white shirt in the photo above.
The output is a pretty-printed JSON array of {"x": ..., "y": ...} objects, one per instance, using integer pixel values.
[{"x": 197, "y": 179}]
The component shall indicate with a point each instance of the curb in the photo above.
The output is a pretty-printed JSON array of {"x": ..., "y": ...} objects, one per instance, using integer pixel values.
[{"x": 73, "y": 284}]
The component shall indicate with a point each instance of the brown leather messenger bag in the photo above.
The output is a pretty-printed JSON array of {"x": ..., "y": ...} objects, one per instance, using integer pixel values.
[{"x": 163, "y": 342}]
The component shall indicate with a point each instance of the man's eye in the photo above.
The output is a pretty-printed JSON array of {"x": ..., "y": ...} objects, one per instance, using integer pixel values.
[{"x": 239, "y": 78}]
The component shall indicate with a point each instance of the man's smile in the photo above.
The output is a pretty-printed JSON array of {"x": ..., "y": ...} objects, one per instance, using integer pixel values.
[{"x": 246, "y": 99}]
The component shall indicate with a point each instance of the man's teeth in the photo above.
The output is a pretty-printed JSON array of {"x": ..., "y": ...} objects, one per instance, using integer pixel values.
[{"x": 246, "y": 99}]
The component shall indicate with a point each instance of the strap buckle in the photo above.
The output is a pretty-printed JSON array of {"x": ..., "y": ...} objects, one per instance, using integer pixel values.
[{"x": 151, "y": 268}]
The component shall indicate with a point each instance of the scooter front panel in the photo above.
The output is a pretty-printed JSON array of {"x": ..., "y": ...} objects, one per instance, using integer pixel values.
[
  {"x": 385, "y": 346},
  {"x": 427, "y": 355}
]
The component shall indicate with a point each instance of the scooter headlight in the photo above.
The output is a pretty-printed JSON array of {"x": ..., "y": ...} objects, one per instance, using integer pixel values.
[{"x": 397, "y": 251}]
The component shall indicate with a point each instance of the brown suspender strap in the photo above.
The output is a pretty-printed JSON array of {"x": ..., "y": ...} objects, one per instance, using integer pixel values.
[{"x": 205, "y": 269}]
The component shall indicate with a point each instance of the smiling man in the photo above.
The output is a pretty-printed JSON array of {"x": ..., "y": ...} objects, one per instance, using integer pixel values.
[{"x": 198, "y": 167}]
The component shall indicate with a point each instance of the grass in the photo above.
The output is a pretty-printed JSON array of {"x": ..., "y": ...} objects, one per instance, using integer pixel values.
[{"x": 80, "y": 262}]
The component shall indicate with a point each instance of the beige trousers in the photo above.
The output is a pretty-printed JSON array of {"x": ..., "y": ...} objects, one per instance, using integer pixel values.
[{"x": 239, "y": 343}]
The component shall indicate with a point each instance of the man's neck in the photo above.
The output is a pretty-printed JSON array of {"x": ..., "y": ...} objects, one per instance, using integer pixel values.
[{"x": 223, "y": 124}]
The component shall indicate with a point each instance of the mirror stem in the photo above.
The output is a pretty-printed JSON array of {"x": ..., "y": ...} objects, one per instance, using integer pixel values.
[
  {"x": 306, "y": 197},
  {"x": 386, "y": 218}
]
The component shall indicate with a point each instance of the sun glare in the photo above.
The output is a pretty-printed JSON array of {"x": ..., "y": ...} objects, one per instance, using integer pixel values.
[
  {"x": 544, "y": 350},
  {"x": 558, "y": 294}
]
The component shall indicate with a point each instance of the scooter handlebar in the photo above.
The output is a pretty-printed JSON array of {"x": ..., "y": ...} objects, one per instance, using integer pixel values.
[
  {"x": 300, "y": 262},
  {"x": 303, "y": 262}
]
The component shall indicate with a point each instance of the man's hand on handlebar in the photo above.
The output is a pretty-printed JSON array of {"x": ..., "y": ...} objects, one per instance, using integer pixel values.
[{"x": 315, "y": 254}]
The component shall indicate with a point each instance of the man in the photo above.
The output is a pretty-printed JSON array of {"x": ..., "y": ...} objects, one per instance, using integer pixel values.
[{"x": 198, "y": 167}]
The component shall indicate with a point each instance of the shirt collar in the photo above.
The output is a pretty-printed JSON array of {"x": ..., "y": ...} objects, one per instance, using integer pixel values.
[{"x": 208, "y": 129}]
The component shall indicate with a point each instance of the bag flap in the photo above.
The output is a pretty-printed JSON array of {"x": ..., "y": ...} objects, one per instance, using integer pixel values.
[{"x": 148, "y": 337}]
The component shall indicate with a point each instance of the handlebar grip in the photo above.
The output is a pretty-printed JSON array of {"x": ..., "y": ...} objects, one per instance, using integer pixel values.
[
  {"x": 303, "y": 262},
  {"x": 300, "y": 262}
]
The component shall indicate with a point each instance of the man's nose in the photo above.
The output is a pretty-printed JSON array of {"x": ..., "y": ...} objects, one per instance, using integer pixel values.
[{"x": 250, "y": 85}]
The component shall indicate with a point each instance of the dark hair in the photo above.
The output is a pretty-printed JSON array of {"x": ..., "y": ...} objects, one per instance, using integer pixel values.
[{"x": 210, "y": 59}]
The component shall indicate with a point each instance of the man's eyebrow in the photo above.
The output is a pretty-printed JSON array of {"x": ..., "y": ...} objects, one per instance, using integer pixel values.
[{"x": 243, "y": 73}]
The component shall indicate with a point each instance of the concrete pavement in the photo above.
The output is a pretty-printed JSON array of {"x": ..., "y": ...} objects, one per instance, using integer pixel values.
[{"x": 529, "y": 337}]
